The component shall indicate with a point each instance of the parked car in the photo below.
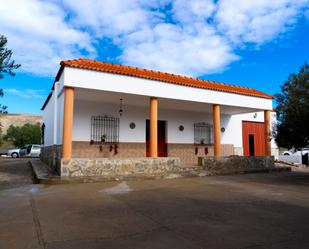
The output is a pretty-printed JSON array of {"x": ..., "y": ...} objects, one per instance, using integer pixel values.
[
  {"x": 13, "y": 153},
  {"x": 299, "y": 152},
  {"x": 28, "y": 150}
]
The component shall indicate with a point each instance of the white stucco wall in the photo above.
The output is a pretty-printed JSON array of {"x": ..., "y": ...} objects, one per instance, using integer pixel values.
[
  {"x": 48, "y": 120},
  {"x": 83, "y": 110},
  {"x": 236, "y": 121},
  {"x": 60, "y": 119},
  {"x": 53, "y": 117},
  {"x": 233, "y": 132},
  {"x": 121, "y": 83}
]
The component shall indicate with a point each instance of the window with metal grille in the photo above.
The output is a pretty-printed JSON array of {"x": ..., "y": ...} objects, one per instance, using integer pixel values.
[
  {"x": 203, "y": 133},
  {"x": 104, "y": 129}
]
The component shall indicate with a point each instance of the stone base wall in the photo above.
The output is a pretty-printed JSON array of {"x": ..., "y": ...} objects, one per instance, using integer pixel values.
[
  {"x": 236, "y": 164},
  {"x": 124, "y": 150},
  {"x": 47, "y": 155},
  {"x": 51, "y": 155},
  {"x": 187, "y": 152},
  {"x": 112, "y": 167}
]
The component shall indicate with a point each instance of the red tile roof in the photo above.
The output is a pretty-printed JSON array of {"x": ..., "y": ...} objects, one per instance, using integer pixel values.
[{"x": 159, "y": 76}]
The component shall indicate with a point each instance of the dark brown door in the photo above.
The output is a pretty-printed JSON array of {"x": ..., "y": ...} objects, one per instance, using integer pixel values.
[
  {"x": 162, "y": 146},
  {"x": 251, "y": 145},
  {"x": 253, "y": 138}
]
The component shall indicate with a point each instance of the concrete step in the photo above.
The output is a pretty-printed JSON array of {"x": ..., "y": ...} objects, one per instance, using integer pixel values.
[{"x": 41, "y": 172}]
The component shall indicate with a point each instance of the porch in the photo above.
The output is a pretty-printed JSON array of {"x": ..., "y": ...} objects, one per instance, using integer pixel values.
[
  {"x": 146, "y": 127},
  {"x": 119, "y": 113}
]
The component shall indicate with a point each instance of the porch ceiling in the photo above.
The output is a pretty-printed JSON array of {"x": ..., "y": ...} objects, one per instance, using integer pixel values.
[{"x": 138, "y": 100}]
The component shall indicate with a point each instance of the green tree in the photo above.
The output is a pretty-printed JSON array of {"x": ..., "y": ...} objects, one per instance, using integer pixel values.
[
  {"x": 7, "y": 65},
  {"x": 293, "y": 110},
  {"x": 27, "y": 134},
  {"x": 3, "y": 109}
]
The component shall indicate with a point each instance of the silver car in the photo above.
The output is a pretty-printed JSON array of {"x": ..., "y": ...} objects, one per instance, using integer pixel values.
[
  {"x": 28, "y": 150},
  {"x": 299, "y": 152},
  {"x": 13, "y": 153}
]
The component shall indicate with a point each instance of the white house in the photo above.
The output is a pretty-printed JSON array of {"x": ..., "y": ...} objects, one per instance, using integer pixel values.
[{"x": 97, "y": 109}]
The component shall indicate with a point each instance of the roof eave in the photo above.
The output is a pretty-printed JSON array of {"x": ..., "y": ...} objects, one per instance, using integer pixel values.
[
  {"x": 46, "y": 101},
  {"x": 58, "y": 75},
  {"x": 63, "y": 64}
]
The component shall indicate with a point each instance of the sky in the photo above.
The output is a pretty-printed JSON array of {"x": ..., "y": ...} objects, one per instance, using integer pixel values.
[{"x": 252, "y": 43}]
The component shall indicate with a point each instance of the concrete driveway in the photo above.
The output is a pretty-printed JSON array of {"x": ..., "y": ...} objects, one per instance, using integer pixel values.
[
  {"x": 14, "y": 173},
  {"x": 244, "y": 211}
]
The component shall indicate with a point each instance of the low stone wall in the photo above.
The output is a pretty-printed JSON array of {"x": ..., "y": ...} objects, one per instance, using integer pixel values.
[
  {"x": 112, "y": 167},
  {"x": 47, "y": 155},
  {"x": 236, "y": 164}
]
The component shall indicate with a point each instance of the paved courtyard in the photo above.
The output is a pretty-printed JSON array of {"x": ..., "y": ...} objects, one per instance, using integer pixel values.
[{"x": 244, "y": 211}]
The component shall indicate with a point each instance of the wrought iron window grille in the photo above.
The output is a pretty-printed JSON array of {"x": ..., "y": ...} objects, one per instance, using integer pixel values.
[
  {"x": 104, "y": 130},
  {"x": 203, "y": 133}
]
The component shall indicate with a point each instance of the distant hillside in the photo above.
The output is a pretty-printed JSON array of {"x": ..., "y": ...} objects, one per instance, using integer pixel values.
[{"x": 18, "y": 120}]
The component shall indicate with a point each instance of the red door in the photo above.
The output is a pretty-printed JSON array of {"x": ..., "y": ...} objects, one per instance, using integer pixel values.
[
  {"x": 162, "y": 146},
  {"x": 253, "y": 138}
]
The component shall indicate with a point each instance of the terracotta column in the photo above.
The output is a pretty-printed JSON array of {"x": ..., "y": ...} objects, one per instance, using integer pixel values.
[
  {"x": 153, "y": 127},
  {"x": 217, "y": 132},
  {"x": 67, "y": 122},
  {"x": 267, "y": 133}
]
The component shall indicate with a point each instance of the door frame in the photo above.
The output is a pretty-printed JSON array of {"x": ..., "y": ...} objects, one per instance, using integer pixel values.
[{"x": 257, "y": 129}]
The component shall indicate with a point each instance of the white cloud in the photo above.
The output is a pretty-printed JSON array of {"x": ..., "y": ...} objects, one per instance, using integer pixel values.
[
  {"x": 257, "y": 21},
  {"x": 204, "y": 36},
  {"x": 193, "y": 37},
  {"x": 194, "y": 10},
  {"x": 307, "y": 14},
  {"x": 108, "y": 17},
  {"x": 27, "y": 93},
  {"x": 170, "y": 48},
  {"x": 39, "y": 36},
  {"x": 148, "y": 40}
]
